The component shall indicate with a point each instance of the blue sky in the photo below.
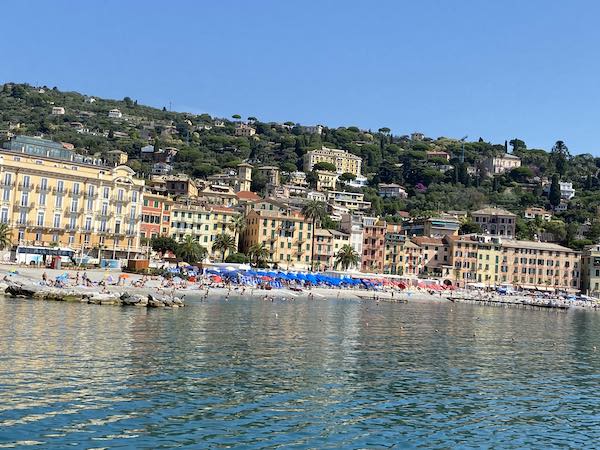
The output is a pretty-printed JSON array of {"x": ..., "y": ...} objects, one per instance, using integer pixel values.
[{"x": 495, "y": 69}]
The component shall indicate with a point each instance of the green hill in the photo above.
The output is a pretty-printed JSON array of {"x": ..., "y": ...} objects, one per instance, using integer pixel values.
[{"x": 206, "y": 148}]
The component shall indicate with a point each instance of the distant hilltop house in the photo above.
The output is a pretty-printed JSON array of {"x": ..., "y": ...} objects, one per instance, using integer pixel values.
[
  {"x": 115, "y": 114},
  {"x": 567, "y": 192},
  {"x": 438, "y": 154},
  {"x": 161, "y": 168},
  {"x": 313, "y": 129},
  {"x": 58, "y": 111},
  {"x": 497, "y": 165},
  {"x": 392, "y": 190},
  {"x": 116, "y": 158},
  {"x": 496, "y": 221},
  {"x": 535, "y": 212},
  {"x": 242, "y": 129},
  {"x": 417, "y": 136},
  {"x": 219, "y": 123},
  {"x": 343, "y": 161},
  {"x": 164, "y": 155}
]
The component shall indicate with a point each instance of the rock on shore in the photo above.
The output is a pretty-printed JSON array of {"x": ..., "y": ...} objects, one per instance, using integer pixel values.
[{"x": 16, "y": 289}]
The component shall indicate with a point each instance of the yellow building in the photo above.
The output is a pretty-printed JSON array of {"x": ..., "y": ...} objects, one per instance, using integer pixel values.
[
  {"x": 343, "y": 161},
  {"x": 287, "y": 236},
  {"x": 53, "y": 196},
  {"x": 204, "y": 223},
  {"x": 326, "y": 180}
]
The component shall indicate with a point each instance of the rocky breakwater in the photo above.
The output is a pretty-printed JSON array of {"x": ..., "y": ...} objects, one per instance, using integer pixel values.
[{"x": 17, "y": 289}]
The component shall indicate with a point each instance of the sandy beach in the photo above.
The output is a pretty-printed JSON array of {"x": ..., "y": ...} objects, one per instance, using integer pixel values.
[{"x": 152, "y": 285}]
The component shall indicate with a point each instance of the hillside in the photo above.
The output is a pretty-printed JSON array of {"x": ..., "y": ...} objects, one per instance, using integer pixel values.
[{"x": 207, "y": 145}]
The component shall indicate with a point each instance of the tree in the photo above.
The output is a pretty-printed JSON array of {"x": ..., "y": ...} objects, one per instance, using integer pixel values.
[
  {"x": 517, "y": 144},
  {"x": 554, "y": 195},
  {"x": 469, "y": 227},
  {"x": 163, "y": 244},
  {"x": 315, "y": 211},
  {"x": 347, "y": 257},
  {"x": 5, "y": 236},
  {"x": 236, "y": 117},
  {"x": 322, "y": 165},
  {"x": 190, "y": 250},
  {"x": 560, "y": 156},
  {"x": 258, "y": 254},
  {"x": 347, "y": 176},
  {"x": 224, "y": 243},
  {"x": 128, "y": 102},
  {"x": 236, "y": 258},
  {"x": 237, "y": 225}
]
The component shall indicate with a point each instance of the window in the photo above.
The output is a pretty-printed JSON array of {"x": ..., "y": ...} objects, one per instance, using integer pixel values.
[
  {"x": 106, "y": 193},
  {"x": 40, "y": 219},
  {"x": 60, "y": 186},
  {"x": 75, "y": 188},
  {"x": 56, "y": 223},
  {"x": 24, "y": 198},
  {"x": 4, "y": 215}
]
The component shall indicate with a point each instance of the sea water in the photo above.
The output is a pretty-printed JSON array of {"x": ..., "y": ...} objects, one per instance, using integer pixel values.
[{"x": 249, "y": 373}]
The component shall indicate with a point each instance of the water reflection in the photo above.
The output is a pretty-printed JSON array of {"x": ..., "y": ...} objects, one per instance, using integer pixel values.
[{"x": 307, "y": 373}]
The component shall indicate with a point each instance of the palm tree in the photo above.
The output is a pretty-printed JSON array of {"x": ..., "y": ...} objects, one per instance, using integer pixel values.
[
  {"x": 315, "y": 211},
  {"x": 190, "y": 251},
  {"x": 258, "y": 253},
  {"x": 347, "y": 257},
  {"x": 237, "y": 225},
  {"x": 5, "y": 236},
  {"x": 223, "y": 243}
]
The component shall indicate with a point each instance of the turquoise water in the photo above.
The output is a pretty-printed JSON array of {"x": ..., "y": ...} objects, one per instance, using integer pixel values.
[{"x": 302, "y": 374}]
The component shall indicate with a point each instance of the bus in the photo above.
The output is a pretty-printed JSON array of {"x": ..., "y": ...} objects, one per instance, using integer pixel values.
[{"x": 28, "y": 254}]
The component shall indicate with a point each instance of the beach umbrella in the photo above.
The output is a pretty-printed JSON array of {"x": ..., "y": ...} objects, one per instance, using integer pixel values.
[
  {"x": 216, "y": 278},
  {"x": 266, "y": 278}
]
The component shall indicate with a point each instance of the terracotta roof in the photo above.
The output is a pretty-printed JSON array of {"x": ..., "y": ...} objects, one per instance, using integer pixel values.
[
  {"x": 248, "y": 195},
  {"x": 422, "y": 240}
]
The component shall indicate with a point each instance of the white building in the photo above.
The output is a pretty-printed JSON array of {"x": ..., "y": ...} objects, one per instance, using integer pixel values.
[
  {"x": 161, "y": 169},
  {"x": 392, "y": 190},
  {"x": 58, "y": 111},
  {"x": 496, "y": 165},
  {"x": 241, "y": 129},
  {"x": 115, "y": 114},
  {"x": 567, "y": 192}
]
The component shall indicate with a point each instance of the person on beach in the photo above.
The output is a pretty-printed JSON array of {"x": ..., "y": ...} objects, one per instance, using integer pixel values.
[{"x": 45, "y": 278}]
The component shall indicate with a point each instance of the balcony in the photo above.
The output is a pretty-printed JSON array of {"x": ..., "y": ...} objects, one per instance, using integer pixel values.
[
  {"x": 93, "y": 196},
  {"x": 57, "y": 191},
  {"x": 44, "y": 189},
  {"x": 9, "y": 185},
  {"x": 72, "y": 193},
  {"x": 27, "y": 206},
  {"x": 26, "y": 187},
  {"x": 71, "y": 229},
  {"x": 27, "y": 223},
  {"x": 107, "y": 215}
]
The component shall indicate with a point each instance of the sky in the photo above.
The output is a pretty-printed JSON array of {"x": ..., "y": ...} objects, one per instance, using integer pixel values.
[{"x": 491, "y": 69}]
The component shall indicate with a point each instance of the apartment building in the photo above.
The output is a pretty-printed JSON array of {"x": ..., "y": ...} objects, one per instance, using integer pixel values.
[
  {"x": 435, "y": 256},
  {"x": 53, "y": 196},
  {"x": 392, "y": 190},
  {"x": 156, "y": 215},
  {"x": 442, "y": 225},
  {"x": 327, "y": 245},
  {"x": 203, "y": 222},
  {"x": 496, "y": 221},
  {"x": 343, "y": 161},
  {"x": 373, "y": 257},
  {"x": 285, "y": 233},
  {"x": 353, "y": 201},
  {"x": 590, "y": 270},
  {"x": 527, "y": 264}
]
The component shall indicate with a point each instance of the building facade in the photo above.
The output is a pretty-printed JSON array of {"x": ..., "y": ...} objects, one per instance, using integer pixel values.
[
  {"x": 52, "y": 196},
  {"x": 496, "y": 221},
  {"x": 343, "y": 161},
  {"x": 286, "y": 234}
]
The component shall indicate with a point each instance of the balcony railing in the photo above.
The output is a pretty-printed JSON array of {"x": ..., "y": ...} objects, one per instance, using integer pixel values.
[
  {"x": 57, "y": 191},
  {"x": 40, "y": 188},
  {"x": 7, "y": 185},
  {"x": 26, "y": 187}
]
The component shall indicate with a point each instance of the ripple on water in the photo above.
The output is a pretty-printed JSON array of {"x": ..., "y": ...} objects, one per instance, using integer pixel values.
[{"x": 336, "y": 374}]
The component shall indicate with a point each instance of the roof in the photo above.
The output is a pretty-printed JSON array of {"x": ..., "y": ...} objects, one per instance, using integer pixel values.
[
  {"x": 424, "y": 240},
  {"x": 508, "y": 156},
  {"x": 248, "y": 195},
  {"x": 492, "y": 211},
  {"x": 536, "y": 245}
]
